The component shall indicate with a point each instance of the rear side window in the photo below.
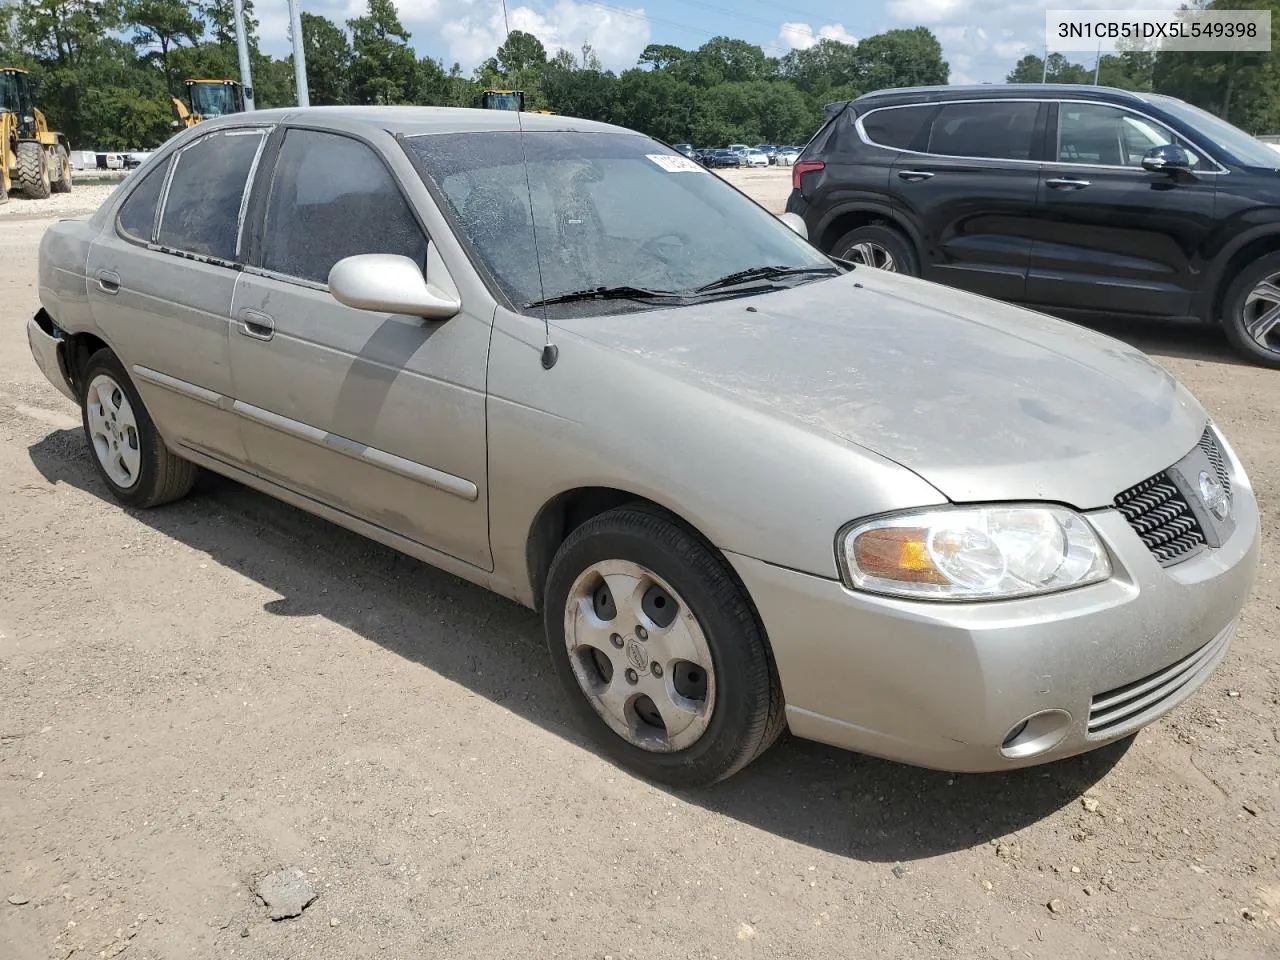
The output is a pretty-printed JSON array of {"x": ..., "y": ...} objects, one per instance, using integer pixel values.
[
  {"x": 333, "y": 197},
  {"x": 1003, "y": 130},
  {"x": 204, "y": 206},
  {"x": 896, "y": 127},
  {"x": 137, "y": 218}
]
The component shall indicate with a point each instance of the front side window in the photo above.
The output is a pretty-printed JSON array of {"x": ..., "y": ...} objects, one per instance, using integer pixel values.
[
  {"x": 204, "y": 206},
  {"x": 137, "y": 217},
  {"x": 1000, "y": 130},
  {"x": 896, "y": 127},
  {"x": 1097, "y": 133},
  {"x": 332, "y": 197},
  {"x": 611, "y": 210},
  {"x": 214, "y": 99}
]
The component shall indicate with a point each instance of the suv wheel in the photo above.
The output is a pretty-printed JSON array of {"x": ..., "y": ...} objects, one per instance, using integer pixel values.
[
  {"x": 878, "y": 246},
  {"x": 1252, "y": 311}
]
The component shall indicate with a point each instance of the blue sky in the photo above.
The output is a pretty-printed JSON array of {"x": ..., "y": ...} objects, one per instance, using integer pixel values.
[{"x": 981, "y": 39}]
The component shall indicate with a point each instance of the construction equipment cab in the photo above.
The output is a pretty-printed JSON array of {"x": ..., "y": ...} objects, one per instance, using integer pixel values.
[
  {"x": 32, "y": 158},
  {"x": 504, "y": 100},
  {"x": 207, "y": 99}
]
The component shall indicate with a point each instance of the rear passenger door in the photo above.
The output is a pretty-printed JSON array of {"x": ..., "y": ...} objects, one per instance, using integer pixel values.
[
  {"x": 380, "y": 416},
  {"x": 161, "y": 280},
  {"x": 969, "y": 179}
]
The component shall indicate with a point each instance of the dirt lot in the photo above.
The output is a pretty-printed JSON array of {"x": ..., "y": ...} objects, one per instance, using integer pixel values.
[{"x": 194, "y": 696}]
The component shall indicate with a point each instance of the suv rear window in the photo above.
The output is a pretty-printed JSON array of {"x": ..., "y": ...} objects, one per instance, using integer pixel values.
[
  {"x": 1003, "y": 130},
  {"x": 896, "y": 127}
]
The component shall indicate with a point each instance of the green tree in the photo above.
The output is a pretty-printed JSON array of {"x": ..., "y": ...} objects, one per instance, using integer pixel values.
[
  {"x": 817, "y": 69},
  {"x": 383, "y": 67},
  {"x": 662, "y": 55},
  {"x": 328, "y": 54},
  {"x": 164, "y": 24},
  {"x": 900, "y": 58}
]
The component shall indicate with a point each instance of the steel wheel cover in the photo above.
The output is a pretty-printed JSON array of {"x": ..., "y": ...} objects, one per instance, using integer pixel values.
[{"x": 640, "y": 656}]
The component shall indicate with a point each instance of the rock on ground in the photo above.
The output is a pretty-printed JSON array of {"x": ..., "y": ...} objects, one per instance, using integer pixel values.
[{"x": 286, "y": 893}]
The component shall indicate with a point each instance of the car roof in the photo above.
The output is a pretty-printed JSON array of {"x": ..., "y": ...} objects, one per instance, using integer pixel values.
[
  {"x": 999, "y": 91},
  {"x": 418, "y": 121}
]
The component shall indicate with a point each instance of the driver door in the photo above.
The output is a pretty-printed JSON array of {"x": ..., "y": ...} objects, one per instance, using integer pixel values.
[{"x": 1110, "y": 236}]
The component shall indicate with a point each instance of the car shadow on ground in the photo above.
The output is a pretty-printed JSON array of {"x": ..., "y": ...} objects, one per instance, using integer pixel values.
[
  {"x": 844, "y": 803},
  {"x": 1186, "y": 341}
]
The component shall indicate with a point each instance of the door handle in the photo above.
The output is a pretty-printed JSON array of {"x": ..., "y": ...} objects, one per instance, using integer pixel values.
[
  {"x": 108, "y": 282},
  {"x": 256, "y": 324},
  {"x": 914, "y": 176},
  {"x": 1066, "y": 183}
]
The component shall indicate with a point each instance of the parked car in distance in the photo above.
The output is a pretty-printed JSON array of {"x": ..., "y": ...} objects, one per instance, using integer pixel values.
[
  {"x": 1039, "y": 568},
  {"x": 726, "y": 158},
  {"x": 768, "y": 149},
  {"x": 755, "y": 158},
  {"x": 1077, "y": 200},
  {"x": 786, "y": 156},
  {"x": 686, "y": 149},
  {"x": 738, "y": 148}
]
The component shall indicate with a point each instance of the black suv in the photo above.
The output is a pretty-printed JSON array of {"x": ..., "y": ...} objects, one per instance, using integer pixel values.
[{"x": 1075, "y": 200}]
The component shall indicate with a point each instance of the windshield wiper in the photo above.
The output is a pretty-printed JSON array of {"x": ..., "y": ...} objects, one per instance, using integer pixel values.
[
  {"x": 762, "y": 273},
  {"x": 608, "y": 293}
]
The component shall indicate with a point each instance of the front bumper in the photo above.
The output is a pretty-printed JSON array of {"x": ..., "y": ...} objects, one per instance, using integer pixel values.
[
  {"x": 45, "y": 340},
  {"x": 943, "y": 685}
]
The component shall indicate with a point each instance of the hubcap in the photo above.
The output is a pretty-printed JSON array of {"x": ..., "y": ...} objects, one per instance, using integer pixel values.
[
  {"x": 871, "y": 255},
  {"x": 113, "y": 429},
  {"x": 640, "y": 656},
  {"x": 1262, "y": 313}
]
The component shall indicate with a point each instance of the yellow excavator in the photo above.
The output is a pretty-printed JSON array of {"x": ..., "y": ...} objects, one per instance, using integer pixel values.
[
  {"x": 32, "y": 157},
  {"x": 508, "y": 100},
  {"x": 207, "y": 99}
]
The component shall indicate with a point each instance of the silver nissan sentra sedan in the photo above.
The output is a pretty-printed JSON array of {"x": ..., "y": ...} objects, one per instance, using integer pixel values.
[{"x": 747, "y": 486}]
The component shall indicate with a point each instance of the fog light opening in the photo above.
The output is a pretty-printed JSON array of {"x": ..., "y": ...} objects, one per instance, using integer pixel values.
[{"x": 1037, "y": 734}]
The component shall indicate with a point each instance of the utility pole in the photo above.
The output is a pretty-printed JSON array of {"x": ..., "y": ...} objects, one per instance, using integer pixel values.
[
  {"x": 242, "y": 47},
  {"x": 1044, "y": 73},
  {"x": 299, "y": 57},
  {"x": 1097, "y": 64}
]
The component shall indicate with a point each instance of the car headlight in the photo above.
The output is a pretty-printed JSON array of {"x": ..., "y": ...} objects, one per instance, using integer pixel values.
[{"x": 973, "y": 553}]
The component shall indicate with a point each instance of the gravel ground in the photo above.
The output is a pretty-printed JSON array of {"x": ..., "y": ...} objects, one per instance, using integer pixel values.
[
  {"x": 195, "y": 697},
  {"x": 83, "y": 199}
]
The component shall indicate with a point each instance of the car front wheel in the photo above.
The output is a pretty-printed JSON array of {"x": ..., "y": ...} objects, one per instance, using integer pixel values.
[
  {"x": 1252, "y": 311},
  {"x": 127, "y": 449},
  {"x": 659, "y": 650}
]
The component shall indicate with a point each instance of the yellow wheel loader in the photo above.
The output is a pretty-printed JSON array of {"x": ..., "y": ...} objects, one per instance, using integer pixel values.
[
  {"x": 206, "y": 99},
  {"x": 33, "y": 158}
]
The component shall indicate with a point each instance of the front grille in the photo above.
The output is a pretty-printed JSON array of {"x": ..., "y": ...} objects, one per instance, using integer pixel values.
[
  {"x": 1136, "y": 703},
  {"x": 1209, "y": 444},
  {"x": 1161, "y": 516}
]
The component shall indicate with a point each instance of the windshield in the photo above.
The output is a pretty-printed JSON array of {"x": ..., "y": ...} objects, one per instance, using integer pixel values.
[
  {"x": 502, "y": 101},
  {"x": 9, "y": 93},
  {"x": 1237, "y": 145},
  {"x": 213, "y": 99},
  {"x": 612, "y": 210}
]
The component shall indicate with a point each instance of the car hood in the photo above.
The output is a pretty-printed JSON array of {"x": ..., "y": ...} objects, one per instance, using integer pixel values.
[{"x": 983, "y": 400}]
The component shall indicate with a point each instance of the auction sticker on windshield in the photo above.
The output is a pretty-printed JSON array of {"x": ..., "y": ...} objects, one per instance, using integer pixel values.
[{"x": 673, "y": 164}]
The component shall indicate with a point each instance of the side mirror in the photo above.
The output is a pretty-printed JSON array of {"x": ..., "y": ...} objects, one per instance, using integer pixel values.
[
  {"x": 1168, "y": 158},
  {"x": 796, "y": 223},
  {"x": 389, "y": 283}
]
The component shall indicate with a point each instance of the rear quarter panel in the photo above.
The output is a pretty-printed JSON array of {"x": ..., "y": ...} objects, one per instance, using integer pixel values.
[{"x": 63, "y": 284}]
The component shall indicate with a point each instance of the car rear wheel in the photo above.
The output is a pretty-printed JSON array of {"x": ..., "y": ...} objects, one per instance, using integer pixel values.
[
  {"x": 1252, "y": 304},
  {"x": 659, "y": 649},
  {"x": 878, "y": 246},
  {"x": 127, "y": 449}
]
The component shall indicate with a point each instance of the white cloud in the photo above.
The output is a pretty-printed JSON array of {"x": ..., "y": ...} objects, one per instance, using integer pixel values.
[
  {"x": 801, "y": 36},
  {"x": 983, "y": 39},
  {"x": 617, "y": 38}
]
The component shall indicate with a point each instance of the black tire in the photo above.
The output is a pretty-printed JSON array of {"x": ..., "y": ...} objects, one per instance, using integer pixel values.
[
  {"x": 162, "y": 477},
  {"x": 33, "y": 170},
  {"x": 748, "y": 712},
  {"x": 62, "y": 171},
  {"x": 1234, "y": 319},
  {"x": 885, "y": 237}
]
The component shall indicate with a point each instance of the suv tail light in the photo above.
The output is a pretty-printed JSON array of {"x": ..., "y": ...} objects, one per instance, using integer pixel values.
[{"x": 801, "y": 167}]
